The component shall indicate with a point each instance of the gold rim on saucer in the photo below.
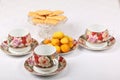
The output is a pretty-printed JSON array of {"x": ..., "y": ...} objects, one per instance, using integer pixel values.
[
  {"x": 5, "y": 48},
  {"x": 82, "y": 42},
  {"x": 29, "y": 64}
]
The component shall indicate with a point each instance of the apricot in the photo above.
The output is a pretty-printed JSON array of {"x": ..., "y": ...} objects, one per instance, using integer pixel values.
[
  {"x": 46, "y": 41},
  {"x": 55, "y": 42},
  {"x": 65, "y": 48},
  {"x": 57, "y": 49},
  {"x": 58, "y": 35},
  {"x": 64, "y": 40}
]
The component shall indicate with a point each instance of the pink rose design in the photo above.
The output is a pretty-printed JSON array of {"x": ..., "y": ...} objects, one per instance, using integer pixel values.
[
  {"x": 92, "y": 39},
  {"x": 105, "y": 36},
  {"x": 28, "y": 39},
  {"x": 30, "y": 61},
  {"x": 16, "y": 42},
  {"x": 44, "y": 62}
]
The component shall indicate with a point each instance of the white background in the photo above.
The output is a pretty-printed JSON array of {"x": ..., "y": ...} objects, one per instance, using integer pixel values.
[{"x": 82, "y": 64}]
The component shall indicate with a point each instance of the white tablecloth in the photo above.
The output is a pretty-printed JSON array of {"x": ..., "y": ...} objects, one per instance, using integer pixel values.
[{"x": 82, "y": 64}]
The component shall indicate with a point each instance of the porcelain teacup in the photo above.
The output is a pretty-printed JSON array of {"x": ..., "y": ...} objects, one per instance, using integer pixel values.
[
  {"x": 19, "y": 40},
  {"x": 96, "y": 36},
  {"x": 45, "y": 57}
]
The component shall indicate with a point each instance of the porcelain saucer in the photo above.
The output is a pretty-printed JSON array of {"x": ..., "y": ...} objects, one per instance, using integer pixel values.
[
  {"x": 5, "y": 48},
  {"x": 83, "y": 43},
  {"x": 29, "y": 66}
]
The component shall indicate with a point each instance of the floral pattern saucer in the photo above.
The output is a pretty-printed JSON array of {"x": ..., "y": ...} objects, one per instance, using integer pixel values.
[
  {"x": 82, "y": 42},
  {"x": 5, "y": 48},
  {"x": 29, "y": 64}
]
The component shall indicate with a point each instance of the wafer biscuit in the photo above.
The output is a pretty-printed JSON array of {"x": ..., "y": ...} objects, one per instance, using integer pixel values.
[
  {"x": 37, "y": 21},
  {"x": 51, "y": 21},
  {"x": 47, "y": 17},
  {"x": 35, "y": 15},
  {"x": 55, "y": 13},
  {"x": 31, "y": 13},
  {"x": 43, "y": 12},
  {"x": 60, "y": 18}
]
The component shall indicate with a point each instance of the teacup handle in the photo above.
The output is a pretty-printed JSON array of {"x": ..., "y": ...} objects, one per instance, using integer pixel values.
[
  {"x": 56, "y": 61},
  {"x": 56, "y": 56}
]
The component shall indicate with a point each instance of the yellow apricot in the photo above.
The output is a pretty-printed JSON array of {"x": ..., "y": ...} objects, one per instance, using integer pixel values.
[
  {"x": 65, "y": 48},
  {"x": 70, "y": 44},
  {"x": 70, "y": 39},
  {"x": 46, "y": 41},
  {"x": 58, "y": 35},
  {"x": 55, "y": 42},
  {"x": 57, "y": 49},
  {"x": 64, "y": 40}
]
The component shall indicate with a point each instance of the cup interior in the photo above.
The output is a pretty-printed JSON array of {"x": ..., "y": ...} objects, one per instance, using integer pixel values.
[
  {"x": 45, "y": 50},
  {"x": 19, "y": 32},
  {"x": 97, "y": 28}
]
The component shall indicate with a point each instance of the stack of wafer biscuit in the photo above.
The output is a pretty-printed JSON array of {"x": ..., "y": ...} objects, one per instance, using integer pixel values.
[{"x": 47, "y": 17}]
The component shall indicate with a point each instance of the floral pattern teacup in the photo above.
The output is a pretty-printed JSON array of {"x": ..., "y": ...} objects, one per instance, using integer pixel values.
[
  {"x": 44, "y": 56},
  {"x": 19, "y": 41},
  {"x": 19, "y": 38},
  {"x": 97, "y": 34}
]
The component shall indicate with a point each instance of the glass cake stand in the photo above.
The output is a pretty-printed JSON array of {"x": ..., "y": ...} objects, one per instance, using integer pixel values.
[{"x": 45, "y": 30}]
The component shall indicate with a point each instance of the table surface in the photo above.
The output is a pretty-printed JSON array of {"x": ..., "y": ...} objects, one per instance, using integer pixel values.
[{"x": 82, "y": 64}]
